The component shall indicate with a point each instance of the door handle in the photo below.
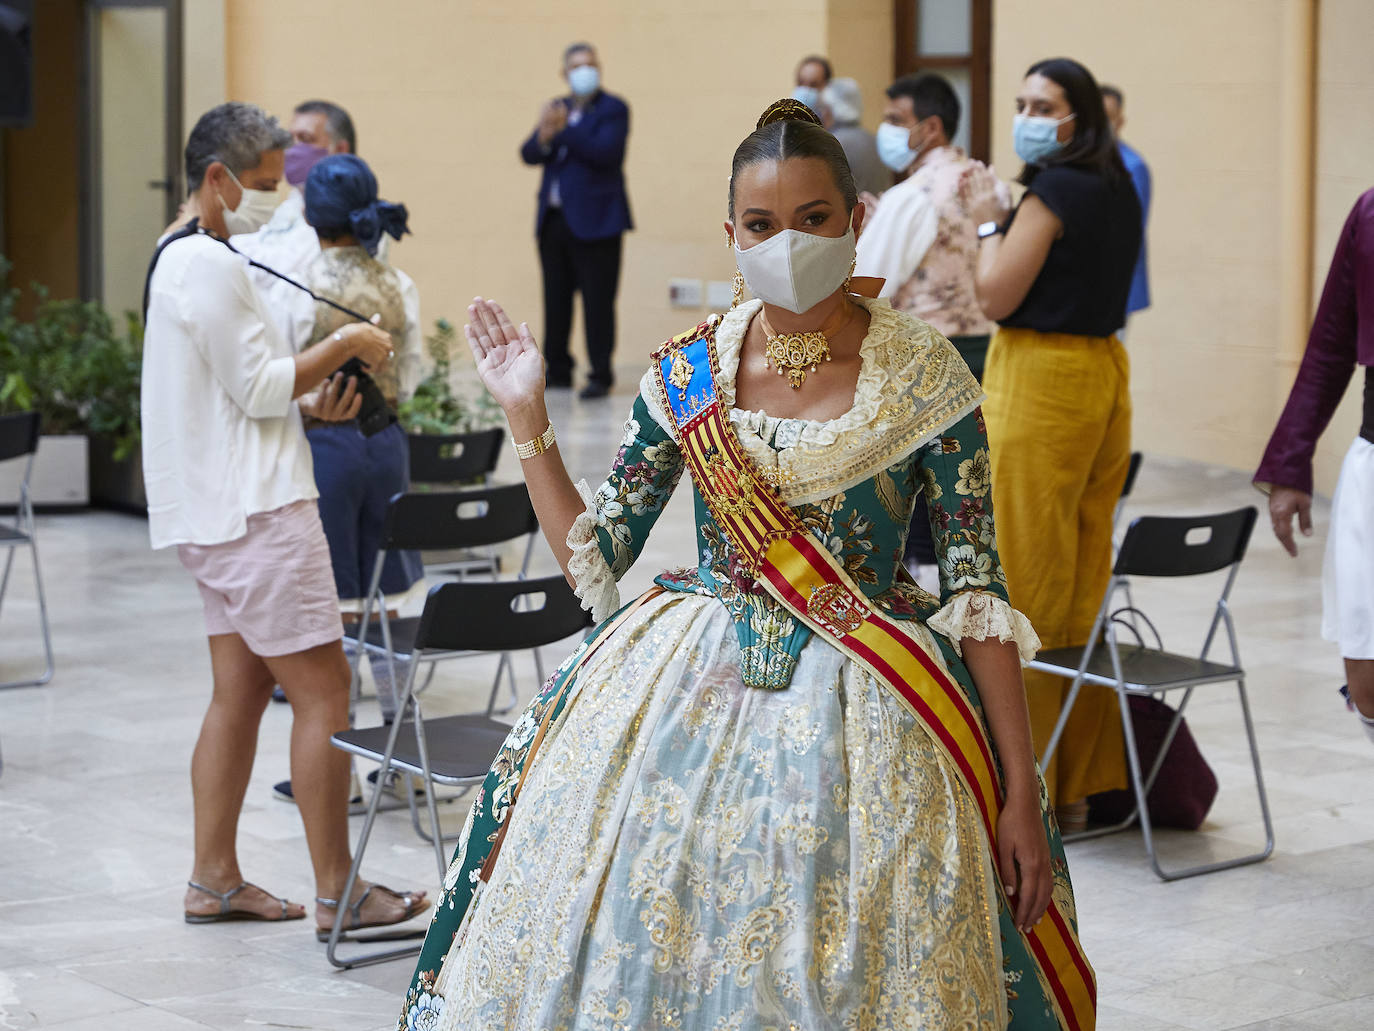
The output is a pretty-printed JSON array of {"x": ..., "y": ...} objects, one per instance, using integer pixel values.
[{"x": 160, "y": 184}]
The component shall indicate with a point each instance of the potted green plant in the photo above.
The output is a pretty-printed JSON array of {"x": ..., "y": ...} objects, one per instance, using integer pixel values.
[
  {"x": 112, "y": 370},
  {"x": 82, "y": 376},
  {"x": 39, "y": 374},
  {"x": 436, "y": 407}
]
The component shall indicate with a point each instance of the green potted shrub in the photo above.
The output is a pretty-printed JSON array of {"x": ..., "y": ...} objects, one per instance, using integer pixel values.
[
  {"x": 39, "y": 372},
  {"x": 435, "y": 407},
  {"x": 70, "y": 364}
]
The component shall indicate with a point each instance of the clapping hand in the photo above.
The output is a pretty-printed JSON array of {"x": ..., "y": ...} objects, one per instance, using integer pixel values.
[
  {"x": 553, "y": 119},
  {"x": 508, "y": 359}
]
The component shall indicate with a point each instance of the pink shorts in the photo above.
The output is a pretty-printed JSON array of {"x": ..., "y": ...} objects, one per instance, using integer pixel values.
[{"x": 274, "y": 586}]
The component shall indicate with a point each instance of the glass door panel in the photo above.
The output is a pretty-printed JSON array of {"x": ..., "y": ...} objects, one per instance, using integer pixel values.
[{"x": 133, "y": 144}]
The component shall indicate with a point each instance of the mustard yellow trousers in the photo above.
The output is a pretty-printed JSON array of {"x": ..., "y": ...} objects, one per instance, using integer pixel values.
[{"x": 1058, "y": 417}]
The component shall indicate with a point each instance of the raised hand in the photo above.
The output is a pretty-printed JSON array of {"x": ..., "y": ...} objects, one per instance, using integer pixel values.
[{"x": 508, "y": 359}]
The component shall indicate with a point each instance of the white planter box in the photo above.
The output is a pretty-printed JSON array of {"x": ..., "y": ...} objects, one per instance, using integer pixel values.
[{"x": 61, "y": 474}]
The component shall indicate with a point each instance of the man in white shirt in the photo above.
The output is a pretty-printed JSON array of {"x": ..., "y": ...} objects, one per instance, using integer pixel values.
[
  {"x": 288, "y": 242},
  {"x": 230, "y": 484}
]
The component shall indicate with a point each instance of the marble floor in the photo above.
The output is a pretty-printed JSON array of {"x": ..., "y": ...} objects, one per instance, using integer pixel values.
[{"x": 95, "y": 811}]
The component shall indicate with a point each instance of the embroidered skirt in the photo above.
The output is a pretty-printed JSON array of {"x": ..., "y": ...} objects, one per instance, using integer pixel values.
[{"x": 691, "y": 853}]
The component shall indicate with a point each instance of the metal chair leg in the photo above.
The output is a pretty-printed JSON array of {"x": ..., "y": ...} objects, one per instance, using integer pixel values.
[
  {"x": 1141, "y": 790},
  {"x": 338, "y": 933},
  {"x": 49, "y": 668}
]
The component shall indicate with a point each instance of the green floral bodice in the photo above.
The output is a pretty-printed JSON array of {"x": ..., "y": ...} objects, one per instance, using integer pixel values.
[{"x": 864, "y": 526}]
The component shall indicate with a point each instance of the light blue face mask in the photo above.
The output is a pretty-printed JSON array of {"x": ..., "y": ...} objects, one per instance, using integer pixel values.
[
  {"x": 808, "y": 95},
  {"x": 892, "y": 146},
  {"x": 585, "y": 79},
  {"x": 1037, "y": 138}
]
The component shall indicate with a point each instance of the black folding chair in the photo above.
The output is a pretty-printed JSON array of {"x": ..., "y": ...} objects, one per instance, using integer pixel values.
[
  {"x": 19, "y": 439},
  {"x": 1132, "y": 471},
  {"x": 454, "y": 458},
  {"x": 454, "y": 461},
  {"x": 456, "y": 751},
  {"x": 1129, "y": 611},
  {"x": 485, "y": 516},
  {"x": 1158, "y": 546}
]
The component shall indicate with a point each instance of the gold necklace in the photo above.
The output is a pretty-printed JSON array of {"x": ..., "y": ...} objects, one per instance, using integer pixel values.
[{"x": 796, "y": 354}]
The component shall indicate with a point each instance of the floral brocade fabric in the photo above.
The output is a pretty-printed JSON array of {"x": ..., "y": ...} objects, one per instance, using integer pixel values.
[{"x": 731, "y": 825}]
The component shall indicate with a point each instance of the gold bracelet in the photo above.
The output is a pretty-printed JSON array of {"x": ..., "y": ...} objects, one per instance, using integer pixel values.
[{"x": 537, "y": 446}]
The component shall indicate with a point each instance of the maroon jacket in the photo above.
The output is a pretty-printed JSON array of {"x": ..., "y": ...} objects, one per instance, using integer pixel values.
[{"x": 1342, "y": 337}]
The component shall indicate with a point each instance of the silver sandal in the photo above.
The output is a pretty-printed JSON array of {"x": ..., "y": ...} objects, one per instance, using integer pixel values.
[
  {"x": 227, "y": 912},
  {"x": 413, "y": 906}
]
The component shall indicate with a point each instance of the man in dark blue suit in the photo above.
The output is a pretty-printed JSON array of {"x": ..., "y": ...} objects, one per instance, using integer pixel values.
[{"x": 583, "y": 212}]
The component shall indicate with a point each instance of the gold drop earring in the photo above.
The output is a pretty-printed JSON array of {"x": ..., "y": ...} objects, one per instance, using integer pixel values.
[
  {"x": 738, "y": 283},
  {"x": 853, "y": 263}
]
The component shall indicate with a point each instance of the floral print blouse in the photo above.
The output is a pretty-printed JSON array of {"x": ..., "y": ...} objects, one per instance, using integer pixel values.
[{"x": 855, "y": 495}]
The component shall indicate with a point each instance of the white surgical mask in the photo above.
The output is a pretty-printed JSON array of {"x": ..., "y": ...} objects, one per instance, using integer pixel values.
[
  {"x": 893, "y": 147},
  {"x": 254, "y": 211},
  {"x": 796, "y": 270},
  {"x": 808, "y": 95},
  {"x": 584, "y": 80}
]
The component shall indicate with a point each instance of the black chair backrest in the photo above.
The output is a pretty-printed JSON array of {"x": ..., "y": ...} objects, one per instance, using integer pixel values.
[
  {"x": 490, "y": 616},
  {"x": 454, "y": 457},
  {"x": 1161, "y": 545},
  {"x": 1132, "y": 471},
  {"x": 19, "y": 434},
  {"x": 460, "y": 518}
]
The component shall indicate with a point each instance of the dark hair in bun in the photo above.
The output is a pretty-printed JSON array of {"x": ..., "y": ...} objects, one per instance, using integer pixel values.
[{"x": 789, "y": 129}]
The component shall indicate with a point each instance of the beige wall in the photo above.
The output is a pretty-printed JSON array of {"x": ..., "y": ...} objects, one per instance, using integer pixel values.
[
  {"x": 444, "y": 93},
  {"x": 1219, "y": 99},
  {"x": 202, "y": 59},
  {"x": 1201, "y": 100}
]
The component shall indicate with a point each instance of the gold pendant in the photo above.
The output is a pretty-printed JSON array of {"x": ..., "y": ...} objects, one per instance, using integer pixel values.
[{"x": 796, "y": 354}]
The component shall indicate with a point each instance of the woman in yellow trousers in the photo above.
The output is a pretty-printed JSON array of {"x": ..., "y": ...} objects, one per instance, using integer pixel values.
[{"x": 1056, "y": 277}]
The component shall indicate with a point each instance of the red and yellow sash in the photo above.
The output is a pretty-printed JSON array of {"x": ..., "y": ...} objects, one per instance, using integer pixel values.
[{"x": 802, "y": 574}]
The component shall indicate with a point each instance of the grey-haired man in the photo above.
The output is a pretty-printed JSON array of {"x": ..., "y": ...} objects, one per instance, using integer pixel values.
[{"x": 231, "y": 485}]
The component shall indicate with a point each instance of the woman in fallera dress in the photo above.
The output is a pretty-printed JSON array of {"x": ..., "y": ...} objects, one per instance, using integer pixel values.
[{"x": 786, "y": 788}]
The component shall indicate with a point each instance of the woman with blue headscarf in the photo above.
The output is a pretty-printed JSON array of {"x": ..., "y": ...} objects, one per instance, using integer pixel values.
[{"x": 356, "y": 475}]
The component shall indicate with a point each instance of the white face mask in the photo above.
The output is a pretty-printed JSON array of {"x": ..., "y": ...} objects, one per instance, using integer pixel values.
[
  {"x": 796, "y": 270},
  {"x": 893, "y": 149},
  {"x": 254, "y": 211}
]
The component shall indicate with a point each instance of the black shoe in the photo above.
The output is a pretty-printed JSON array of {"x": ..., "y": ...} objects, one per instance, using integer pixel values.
[
  {"x": 594, "y": 389},
  {"x": 283, "y": 793},
  {"x": 557, "y": 382}
]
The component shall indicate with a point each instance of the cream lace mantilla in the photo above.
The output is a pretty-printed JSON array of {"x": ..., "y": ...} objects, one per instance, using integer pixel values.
[{"x": 912, "y": 384}]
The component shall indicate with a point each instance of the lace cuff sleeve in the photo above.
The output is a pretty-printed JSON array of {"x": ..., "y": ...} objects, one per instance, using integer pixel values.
[
  {"x": 981, "y": 615},
  {"x": 593, "y": 582}
]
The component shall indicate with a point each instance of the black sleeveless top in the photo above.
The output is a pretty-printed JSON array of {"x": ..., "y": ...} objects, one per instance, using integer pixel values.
[{"x": 1084, "y": 284}]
